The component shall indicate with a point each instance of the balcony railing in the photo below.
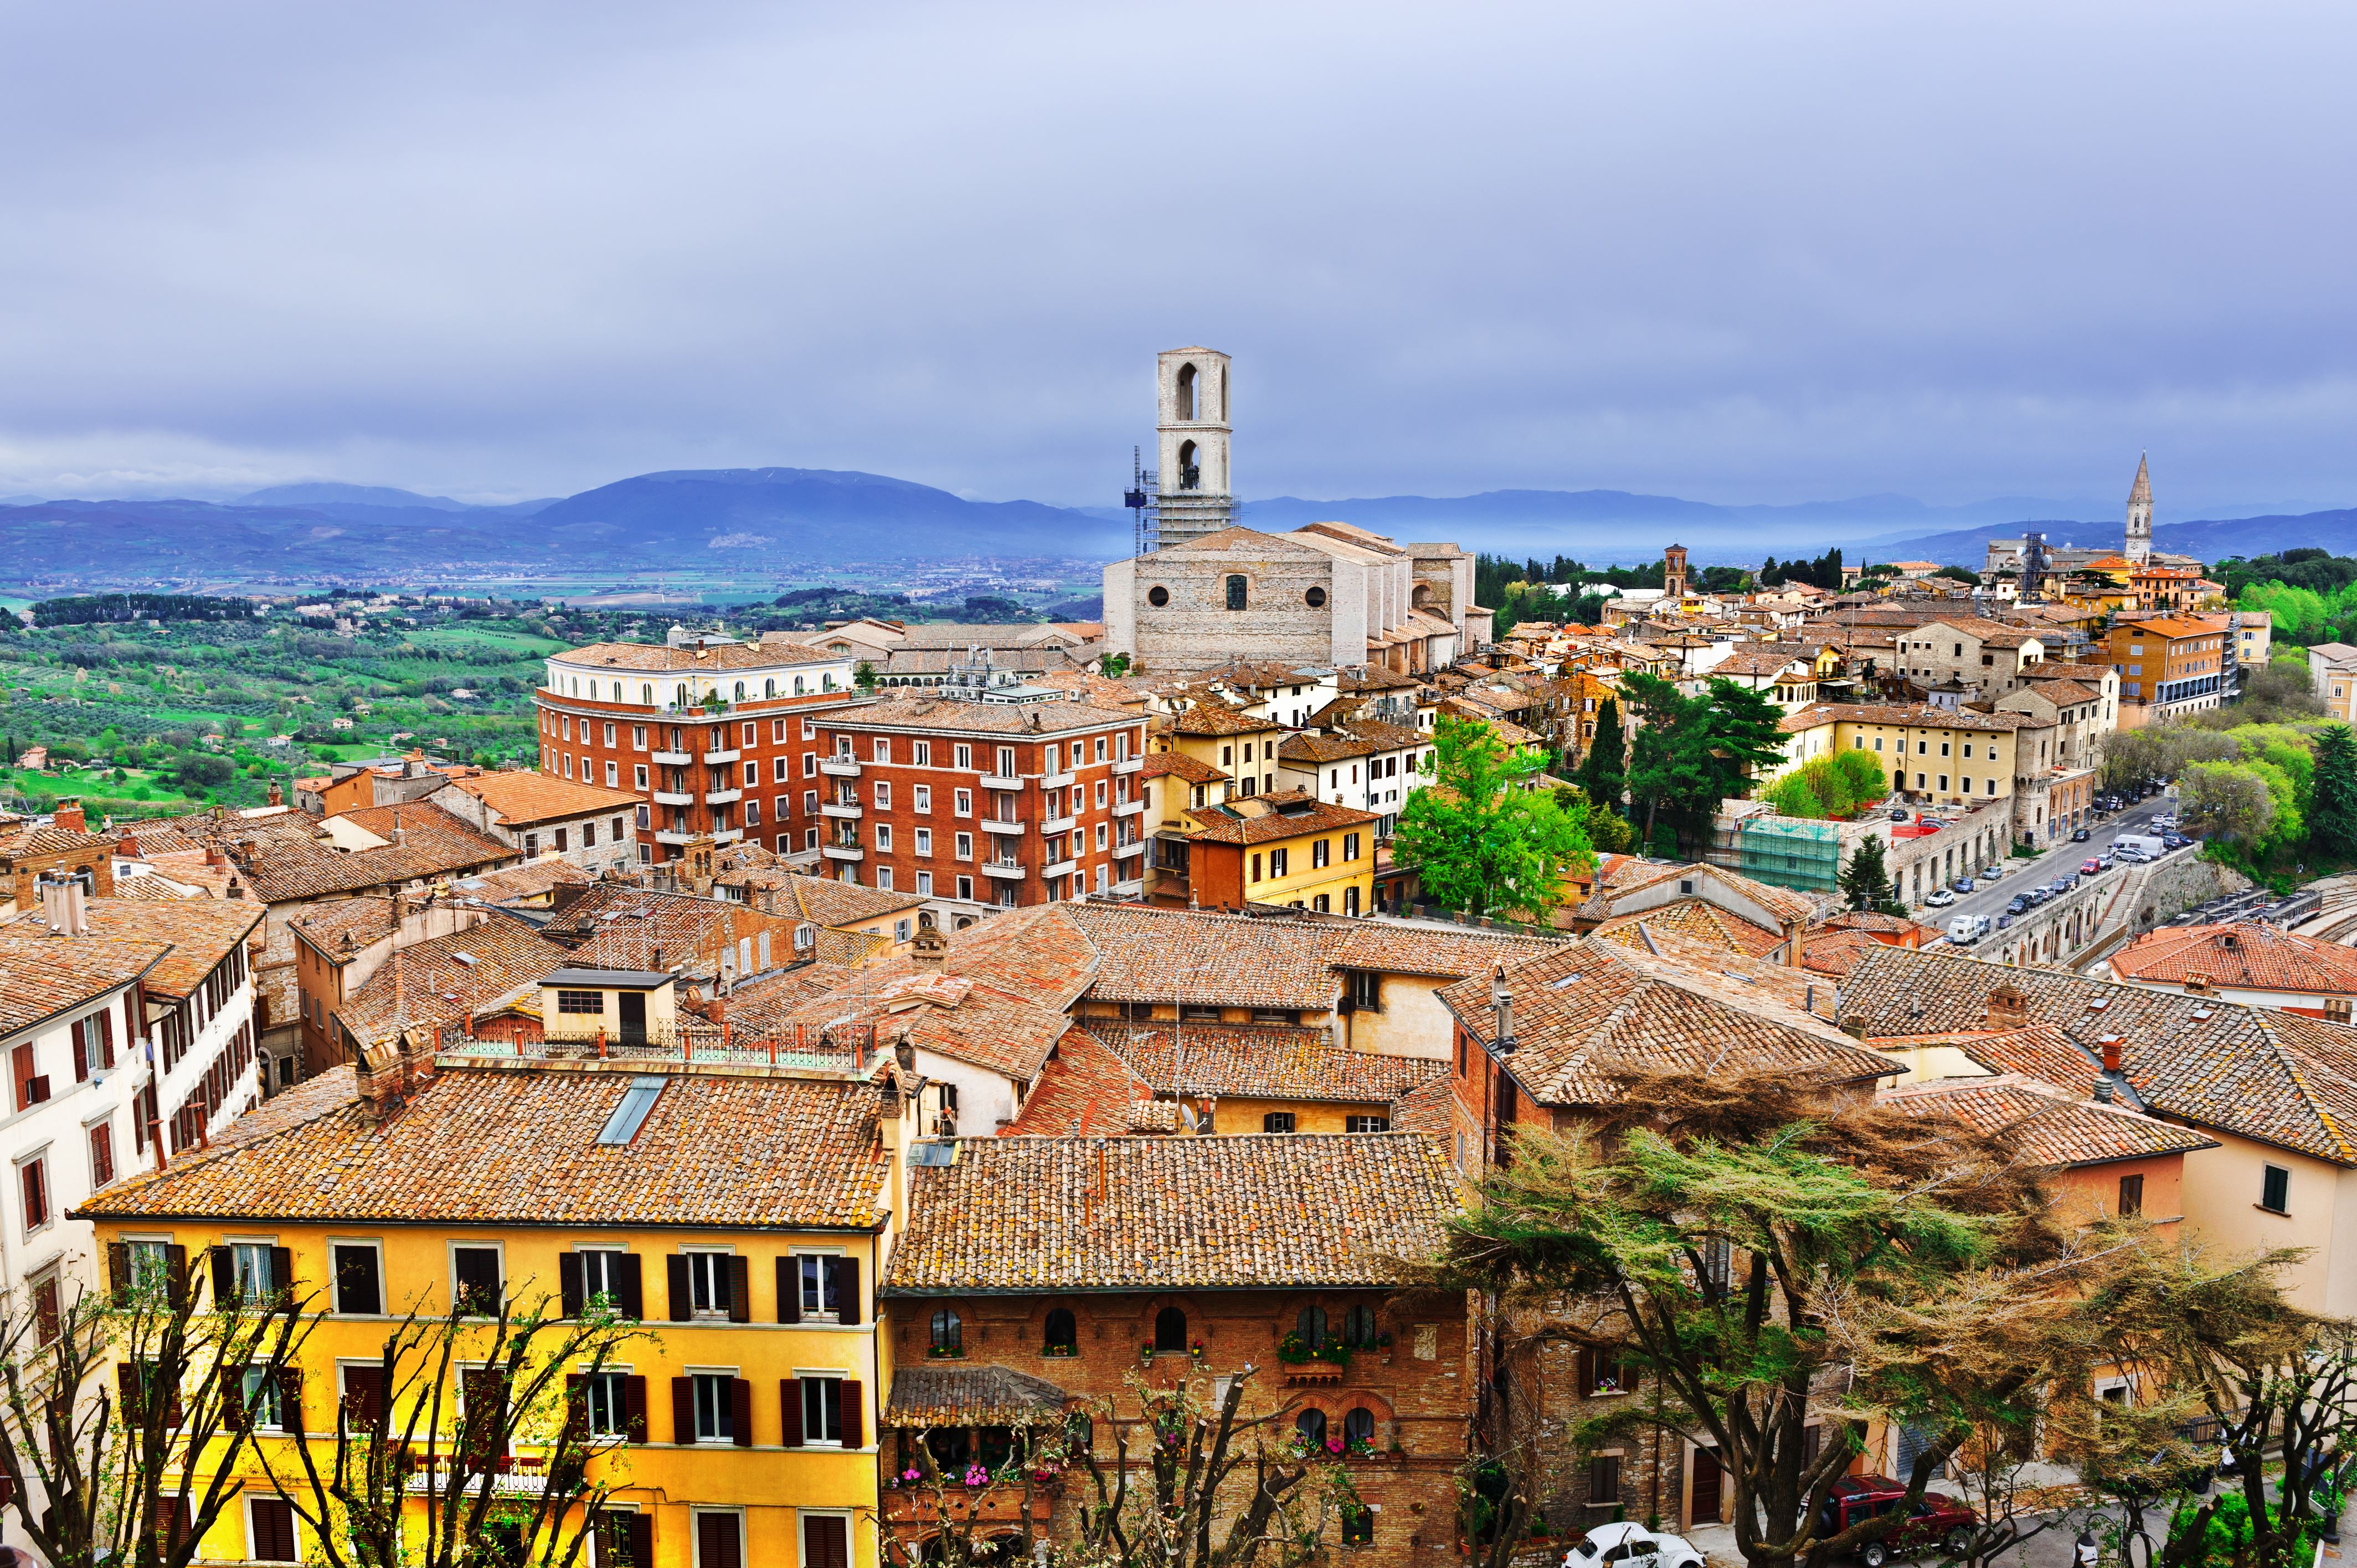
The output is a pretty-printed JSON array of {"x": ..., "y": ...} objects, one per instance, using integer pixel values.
[
  {"x": 1003, "y": 824},
  {"x": 1129, "y": 808},
  {"x": 723, "y": 757},
  {"x": 676, "y": 835},
  {"x": 1050, "y": 827},
  {"x": 1060, "y": 868},
  {"x": 843, "y": 851},
  {"x": 721, "y": 797},
  {"x": 672, "y": 798},
  {"x": 839, "y": 767},
  {"x": 670, "y": 758},
  {"x": 1012, "y": 870},
  {"x": 843, "y": 809},
  {"x": 1128, "y": 764},
  {"x": 1057, "y": 780},
  {"x": 726, "y": 835},
  {"x": 1001, "y": 781}
]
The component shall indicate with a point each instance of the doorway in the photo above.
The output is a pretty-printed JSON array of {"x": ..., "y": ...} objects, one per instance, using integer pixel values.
[
  {"x": 1707, "y": 1484},
  {"x": 634, "y": 1018}
]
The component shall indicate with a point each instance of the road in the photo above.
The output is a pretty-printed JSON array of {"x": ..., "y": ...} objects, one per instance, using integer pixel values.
[{"x": 1990, "y": 898}]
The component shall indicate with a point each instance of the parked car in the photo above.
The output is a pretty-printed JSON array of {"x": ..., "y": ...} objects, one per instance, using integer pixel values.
[
  {"x": 1939, "y": 898},
  {"x": 1961, "y": 885},
  {"x": 1966, "y": 929},
  {"x": 2176, "y": 841},
  {"x": 2041, "y": 894},
  {"x": 2089, "y": 866},
  {"x": 1898, "y": 815},
  {"x": 1937, "y": 1521},
  {"x": 2019, "y": 905},
  {"x": 2080, "y": 835},
  {"x": 1627, "y": 1545},
  {"x": 2105, "y": 859},
  {"x": 2131, "y": 855},
  {"x": 1991, "y": 873},
  {"x": 2003, "y": 922}
]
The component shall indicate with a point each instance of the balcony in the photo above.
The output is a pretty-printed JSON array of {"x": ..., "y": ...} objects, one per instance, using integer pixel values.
[
  {"x": 1122, "y": 850},
  {"x": 843, "y": 851},
  {"x": 722, "y": 758},
  {"x": 672, "y": 798},
  {"x": 839, "y": 767},
  {"x": 1001, "y": 781},
  {"x": 726, "y": 835},
  {"x": 1057, "y": 780},
  {"x": 1133, "y": 888},
  {"x": 1050, "y": 827},
  {"x": 721, "y": 797},
  {"x": 670, "y": 758},
  {"x": 1003, "y": 824},
  {"x": 1060, "y": 868},
  {"x": 1129, "y": 808},
  {"x": 1010, "y": 869},
  {"x": 843, "y": 809},
  {"x": 1128, "y": 765},
  {"x": 676, "y": 835}
]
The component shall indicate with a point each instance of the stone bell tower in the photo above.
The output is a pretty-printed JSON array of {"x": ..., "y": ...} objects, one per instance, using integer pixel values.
[
  {"x": 2139, "y": 539},
  {"x": 1193, "y": 497},
  {"x": 1673, "y": 572}
]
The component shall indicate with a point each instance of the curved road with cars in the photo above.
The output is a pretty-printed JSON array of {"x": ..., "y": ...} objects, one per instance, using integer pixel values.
[{"x": 1990, "y": 898}]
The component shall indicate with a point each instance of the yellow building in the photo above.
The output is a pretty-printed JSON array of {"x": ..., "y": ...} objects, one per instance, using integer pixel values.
[
  {"x": 741, "y": 1212},
  {"x": 1932, "y": 755},
  {"x": 1288, "y": 849},
  {"x": 1243, "y": 747}
]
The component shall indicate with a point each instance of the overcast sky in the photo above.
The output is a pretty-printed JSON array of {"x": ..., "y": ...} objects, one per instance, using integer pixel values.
[{"x": 1731, "y": 251}]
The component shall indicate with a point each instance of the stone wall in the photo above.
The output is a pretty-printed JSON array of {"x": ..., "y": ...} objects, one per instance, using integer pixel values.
[
  {"x": 1194, "y": 629},
  {"x": 2176, "y": 885}
]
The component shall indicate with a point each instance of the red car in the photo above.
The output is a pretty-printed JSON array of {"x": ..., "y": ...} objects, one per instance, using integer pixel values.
[{"x": 1937, "y": 1520}]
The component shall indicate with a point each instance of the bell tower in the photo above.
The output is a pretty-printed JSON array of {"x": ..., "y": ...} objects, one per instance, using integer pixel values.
[
  {"x": 1673, "y": 574},
  {"x": 2139, "y": 539},
  {"x": 1193, "y": 497}
]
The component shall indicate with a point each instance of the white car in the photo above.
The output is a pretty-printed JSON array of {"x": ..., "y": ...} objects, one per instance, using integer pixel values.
[
  {"x": 1630, "y": 1546},
  {"x": 1939, "y": 898}
]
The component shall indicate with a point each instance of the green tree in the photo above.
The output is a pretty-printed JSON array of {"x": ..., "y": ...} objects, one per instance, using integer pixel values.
[
  {"x": 1741, "y": 1240},
  {"x": 1960, "y": 575},
  {"x": 1692, "y": 753},
  {"x": 863, "y": 675},
  {"x": 1608, "y": 833},
  {"x": 1866, "y": 880},
  {"x": 2333, "y": 793},
  {"x": 1482, "y": 838},
  {"x": 2229, "y": 801},
  {"x": 1603, "y": 773}
]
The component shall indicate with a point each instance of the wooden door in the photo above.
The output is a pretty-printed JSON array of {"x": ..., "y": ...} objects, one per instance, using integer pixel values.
[{"x": 1707, "y": 1486}]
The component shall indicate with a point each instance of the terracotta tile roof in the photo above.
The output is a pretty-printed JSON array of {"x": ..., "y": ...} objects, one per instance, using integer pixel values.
[
  {"x": 156, "y": 889},
  {"x": 948, "y": 714},
  {"x": 518, "y": 798},
  {"x": 1696, "y": 921},
  {"x": 1429, "y": 1108},
  {"x": 1042, "y": 1214},
  {"x": 727, "y": 656},
  {"x": 1868, "y": 921},
  {"x": 1137, "y": 954},
  {"x": 1086, "y": 1091},
  {"x": 23, "y": 839},
  {"x": 1624, "y": 877},
  {"x": 482, "y": 1145},
  {"x": 2052, "y": 1130},
  {"x": 2245, "y": 956},
  {"x": 1919, "y": 715},
  {"x": 764, "y": 1009},
  {"x": 324, "y": 924},
  {"x": 1590, "y": 1011},
  {"x": 290, "y": 863},
  {"x": 955, "y": 1395},
  {"x": 1179, "y": 765},
  {"x": 1326, "y": 747},
  {"x": 529, "y": 880},
  {"x": 832, "y": 903},
  {"x": 42, "y": 975},
  {"x": 1211, "y": 715},
  {"x": 620, "y": 925},
  {"x": 1833, "y": 949},
  {"x": 2258, "y": 1072},
  {"x": 1276, "y": 818},
  {"x": 200, "y": 932},
  {"x": 1394, "y": 949},
  {"x": 425, "y": 987},
  {"x": 1256, "y": 1062}
]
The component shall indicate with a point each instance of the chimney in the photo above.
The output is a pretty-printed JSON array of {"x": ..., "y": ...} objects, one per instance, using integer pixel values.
[
  {"x": 929, "y": 948},
  {"x": 2197, "y": 983},
  {"x": 2007, "y": 1008},
  {"x": 277, "y": 796},
  {"x": 2107, "y": 1083},
  {"x": 127, "y": 847},
  {"x": 1855, "y": 1026},
  {"x": 214, "y": 859},
  {"x": 1502, "y": 1001},
  {"x": 69, "y": 817}
]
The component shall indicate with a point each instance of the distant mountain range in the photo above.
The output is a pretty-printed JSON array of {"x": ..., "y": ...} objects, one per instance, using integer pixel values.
[{"x": 748, "y": 520}]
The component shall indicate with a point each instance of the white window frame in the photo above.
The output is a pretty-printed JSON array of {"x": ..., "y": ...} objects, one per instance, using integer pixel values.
[
  {"x": 802, "y": 1546},
  {"x": 295, "y": 1517},
  {"x": 806, "y": 1375},
  {"x": 729, "y": 1374},
  {"x": 450, "y": 1247},
  {"x": 705, "y": 1314},
  {"x": 696, "y": 1532}
]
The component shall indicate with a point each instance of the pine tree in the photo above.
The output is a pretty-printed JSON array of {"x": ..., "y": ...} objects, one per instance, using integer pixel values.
[
  {"x": 2332, "y": 798},
  {"x": 1603, "y": 773},
  {"x": 1866, "y": 880}
]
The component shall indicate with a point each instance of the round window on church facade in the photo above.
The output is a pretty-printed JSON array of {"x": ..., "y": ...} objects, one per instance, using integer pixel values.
[
  {"x": 1157, "y": 596},
  {"x": 1316, "y": 598}
]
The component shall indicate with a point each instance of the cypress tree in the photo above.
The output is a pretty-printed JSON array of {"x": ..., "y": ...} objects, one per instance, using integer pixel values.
[
  {"x": 2332, "y": 796},
  {"x": 1866, "y": 880},
  {"x": 1603, "y": 773}
]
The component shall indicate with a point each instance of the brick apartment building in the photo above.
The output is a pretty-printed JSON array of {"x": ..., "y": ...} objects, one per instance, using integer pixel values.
[
  {"x": 710, "y": 734},
  {"x": 1019, "y": 798}
]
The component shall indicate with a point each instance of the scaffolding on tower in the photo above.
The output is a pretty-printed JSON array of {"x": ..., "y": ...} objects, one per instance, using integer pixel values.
[{"x": 1146, "y": 517}]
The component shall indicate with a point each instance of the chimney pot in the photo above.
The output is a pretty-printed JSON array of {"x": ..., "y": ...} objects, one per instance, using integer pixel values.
[{"x": 69, "y": 816}]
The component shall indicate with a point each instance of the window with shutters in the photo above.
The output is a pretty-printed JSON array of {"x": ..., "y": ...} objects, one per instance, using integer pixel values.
[
  {"x": 707, "y": 1283},
  {"x": 1276, "y": 1121},
  {"x": 33, "y": 1187},
  {"x": 363, "y": 1391},
  {"x": 101, "y": 1153},
  {"x": 716, "y": 1407},
  {"x": 719, "y": 1539},
  {"x": 359, "y": 1277},
  {"x": 605, "y": 1404},
  {"x": 826, "y": 1541},
  {"x": 477, "y": 1281},
  {"x": 258, "y": 1388},
  {"x": 250, "y": 1272},
  {"x": 821, "y": 1410},
  {"x": 2131, "y": 1195},
  {"x": 818, "y": 1287},
  {"x": 270, "y": 1530},
  {"x": 1366, "y": 1124},
  {"x": 1604, "y": 1481}
]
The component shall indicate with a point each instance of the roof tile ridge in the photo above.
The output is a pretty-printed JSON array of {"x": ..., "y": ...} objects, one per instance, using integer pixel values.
[{"x": 2294, "y": 1065}]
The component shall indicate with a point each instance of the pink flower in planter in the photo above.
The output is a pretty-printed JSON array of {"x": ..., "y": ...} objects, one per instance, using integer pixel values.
[
  {"x": 1333, "y": 1445},
  {"x": 910, "y": 1474}
]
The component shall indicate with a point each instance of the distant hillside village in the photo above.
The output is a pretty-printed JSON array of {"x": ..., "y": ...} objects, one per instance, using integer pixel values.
[{"x": 868, "y": 1094}]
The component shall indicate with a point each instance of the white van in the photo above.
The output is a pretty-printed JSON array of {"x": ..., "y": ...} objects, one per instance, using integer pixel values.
[
  {"x": 1967, "y": 929},
  {"x": 2146, "y": 844}
]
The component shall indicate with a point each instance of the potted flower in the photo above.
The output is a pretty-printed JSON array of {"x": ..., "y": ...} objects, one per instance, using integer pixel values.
[
  {"x": 976, "y": 1476},
  {"x": 1060, "y": 1349},
  {"x": 1293, "y": 1352},
  {"x": 1197, "y": 1350},
  {"x": 1146, "y": 1352}
]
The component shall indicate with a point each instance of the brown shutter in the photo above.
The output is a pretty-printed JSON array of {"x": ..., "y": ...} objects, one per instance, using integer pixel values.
[
  {"x": 224, "y": 1278},
  {"x": 176, "y": 1275},
  {"x": 847, "y": 1290},
  {"x": 80, "y": 1052},
  {"x": 825, "y": 1543},
  {"x": 643, "y": 1540},
  {"x": 790, "y": 1394},
  {"x": 118, "y": 1265},
  {"x": 633, "y": 1302},
  {"x": 740, "y": 1290},
  {"x": 273, "y": 1530},
  {"x": 717, "y": 1542},
  {"x": 740, "y": 1410},
  {"x": 282, "y": 1271},
  {"x": 854, "y": 1427},
  {"x": 577, "y": 1405},
  {"x": 364, "y": 1395},
  {"x": 290, "y": 1397},
  {"x": 682, "y": 1410},
  {"x": 569, "y": 1288},
  {"x": 683, "y": 1303},
  {"x": 634, "y": 1409},
  {"x": 790, "y": 1289}
]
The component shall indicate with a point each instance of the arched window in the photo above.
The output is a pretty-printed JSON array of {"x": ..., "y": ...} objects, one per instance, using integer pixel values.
[
  {"x": 1185, "y": 398},
  {"x": 1170, "y": 1329},
  {"x": 950, "y": 1448},
  {"x": 798, "y": 685},
  {"x": 1312, "y": 1326},
  {"x": 740, "y": 690},
  {"x": 681, "y": 700},
  {"x": 1359, "y": 1327},
  {"x": 1063, "y": 1334},
  {"x": 949, "y": 1333},
  {"x": 769, "y": 687},
  {"x": 1191, "y": 472},
  {"x": 1359, "y": 1428},
  {"x": 1312, "y": 1425},
  {"x": 826, "y": 682},
  {"x": 647, "y": 694},
  {"x": 1235, "y": 593}
]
